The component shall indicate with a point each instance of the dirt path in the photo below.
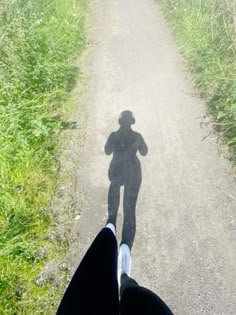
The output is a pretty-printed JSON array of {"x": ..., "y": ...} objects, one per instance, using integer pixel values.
[{"x": 185, "y": 242}]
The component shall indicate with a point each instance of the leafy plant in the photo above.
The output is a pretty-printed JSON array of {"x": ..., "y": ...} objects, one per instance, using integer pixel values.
[
  {"x": 39, "y": 40},
  {"x": 206, "y": 34}
]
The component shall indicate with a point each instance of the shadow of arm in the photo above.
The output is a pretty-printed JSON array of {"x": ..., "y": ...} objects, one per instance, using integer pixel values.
[
  {"x": 109, "y": 145},
  {"x": 143, "y": 149}
]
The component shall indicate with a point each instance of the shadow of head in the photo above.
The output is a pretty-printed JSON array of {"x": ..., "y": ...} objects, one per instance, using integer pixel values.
[{"x": 126, "y": 118}]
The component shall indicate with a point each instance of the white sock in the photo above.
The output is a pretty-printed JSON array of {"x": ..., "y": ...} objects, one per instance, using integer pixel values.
[
  {"x": 124, "y": 261},
  {"x": 111, "y": 227}
]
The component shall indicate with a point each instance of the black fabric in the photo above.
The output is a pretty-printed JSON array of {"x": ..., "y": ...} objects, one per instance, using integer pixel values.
[
  {"x": 137, "y": 300},
  {"x": 93, "y": 289}
]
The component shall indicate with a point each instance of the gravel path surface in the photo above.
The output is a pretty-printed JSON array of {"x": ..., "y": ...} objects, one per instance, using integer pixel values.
[{"x": 184, "y": 248}]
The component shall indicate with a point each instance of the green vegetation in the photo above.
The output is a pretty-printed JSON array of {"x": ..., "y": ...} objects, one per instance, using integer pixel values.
[
  {"x": 206, "y": 34},
  {"x": 39, "y": 40}
]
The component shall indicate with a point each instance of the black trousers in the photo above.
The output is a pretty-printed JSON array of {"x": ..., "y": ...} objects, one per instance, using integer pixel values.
[
  {"x": 93, "y": 289},
  {"x": 137, "y": 300}
]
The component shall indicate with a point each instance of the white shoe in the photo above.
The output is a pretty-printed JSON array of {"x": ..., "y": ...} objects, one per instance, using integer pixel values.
[{"x": 124, "y": 261}]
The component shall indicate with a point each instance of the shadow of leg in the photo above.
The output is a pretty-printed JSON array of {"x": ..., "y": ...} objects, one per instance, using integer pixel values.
[
  {"x": 129, "y": 224},
  {"x": 113, "y": 203}
]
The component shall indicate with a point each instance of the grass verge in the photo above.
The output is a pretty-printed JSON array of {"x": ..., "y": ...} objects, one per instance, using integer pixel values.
[
  {"x": 39, "y": 40},
  {"x": 206, "y": 34}
]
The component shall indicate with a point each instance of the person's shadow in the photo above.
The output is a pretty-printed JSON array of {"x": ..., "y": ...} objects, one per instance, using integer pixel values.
[{"x": 125, "y": 170}]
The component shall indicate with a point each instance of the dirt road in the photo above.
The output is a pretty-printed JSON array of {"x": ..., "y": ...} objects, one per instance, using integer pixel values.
[{"x": 184, "y": 248}]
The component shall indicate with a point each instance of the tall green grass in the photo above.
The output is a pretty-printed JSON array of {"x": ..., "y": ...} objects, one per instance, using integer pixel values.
[
  {"x": 39, "y": 40},
  {"x": 206, "y": 34}
]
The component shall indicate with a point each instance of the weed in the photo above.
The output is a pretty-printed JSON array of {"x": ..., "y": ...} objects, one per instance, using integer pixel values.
[
  {"x": 39, "y": 40},
  {"x": 206, "y": 34}
]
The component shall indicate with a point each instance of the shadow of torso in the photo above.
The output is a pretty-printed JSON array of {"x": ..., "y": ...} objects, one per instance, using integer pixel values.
[{"x": 125, "y": 167}]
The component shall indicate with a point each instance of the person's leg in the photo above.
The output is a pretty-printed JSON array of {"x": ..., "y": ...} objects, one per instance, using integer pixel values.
[
  {"x": 113, "y": 202},
  {"x": 94, "y": 288},
  {"x": 128, "y": 231},
  {"x": 129, "y": 208},
  {"x": 124, "y": 261},
  {"x": 137, "y": 300},
  {"x": 127, "y": 282}
]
